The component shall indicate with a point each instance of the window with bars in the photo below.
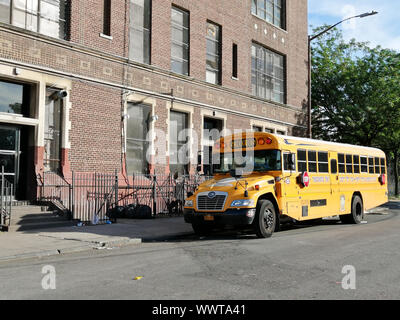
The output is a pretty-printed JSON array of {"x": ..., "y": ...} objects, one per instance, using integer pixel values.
[
  {"x": 47, "y": 17},
  {"x": 140, "y": 31},
  {"x": 267, "y": 74},
  {"x": 272, "y": 11},
  {"x": 179, "y": 41},
  {"x": 213, "y": 61},
  {"x": 136, "y": 138},
  {"x": 178, "y": 151},
  {"x": 52, "y": 131}
]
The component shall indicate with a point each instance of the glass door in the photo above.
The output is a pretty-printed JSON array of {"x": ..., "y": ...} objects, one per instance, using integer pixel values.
[{"x": 9, "y": 152}]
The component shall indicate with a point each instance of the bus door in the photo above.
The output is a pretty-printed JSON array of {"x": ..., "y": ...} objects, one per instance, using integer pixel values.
[
  {"x": 289, "y": 187},
  {"x": 334, "y": 201}
]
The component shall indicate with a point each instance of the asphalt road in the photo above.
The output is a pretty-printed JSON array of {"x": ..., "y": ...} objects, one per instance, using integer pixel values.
[{"x": 300, "y": 262}]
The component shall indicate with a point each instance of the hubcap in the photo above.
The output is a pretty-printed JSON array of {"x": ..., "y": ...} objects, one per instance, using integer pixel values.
[{"x": 268, "y": 218}]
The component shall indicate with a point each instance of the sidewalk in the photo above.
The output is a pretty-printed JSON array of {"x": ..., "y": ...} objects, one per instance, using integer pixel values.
[{"x": 36, "y": 244}]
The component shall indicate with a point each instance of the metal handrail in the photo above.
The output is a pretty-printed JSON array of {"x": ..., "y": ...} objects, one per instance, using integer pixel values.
[{"x": 6, "y": 198}]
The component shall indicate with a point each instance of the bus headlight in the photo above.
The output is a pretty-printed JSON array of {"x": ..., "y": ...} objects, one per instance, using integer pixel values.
[
  {"x": 242, "y": 203},
  {"x": 189, "y": 203}
]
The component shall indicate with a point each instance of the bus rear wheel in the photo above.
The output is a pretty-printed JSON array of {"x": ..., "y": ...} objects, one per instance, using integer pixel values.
[
  {"x": 357, "y": 212},
  {"x": 265, "y": 220}
]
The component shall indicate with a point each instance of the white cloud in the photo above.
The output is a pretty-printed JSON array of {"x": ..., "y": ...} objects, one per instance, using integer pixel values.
[{"x": 382, "y": 29}]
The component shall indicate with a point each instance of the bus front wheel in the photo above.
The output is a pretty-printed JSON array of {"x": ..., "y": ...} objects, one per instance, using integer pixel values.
[
  {"x": 357, "y": 212},
  {"x": 265, "y": 219}
]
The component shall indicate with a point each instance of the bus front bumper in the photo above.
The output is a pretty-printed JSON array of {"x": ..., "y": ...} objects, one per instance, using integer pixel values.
[{"x": 231, "y": 217}]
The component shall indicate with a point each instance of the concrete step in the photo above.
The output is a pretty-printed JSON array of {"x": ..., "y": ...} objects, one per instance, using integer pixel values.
[
  {"x": 36, "y": 219},
  {"x": 31, "y": 217},
  {"x": 42, "y": 225}
]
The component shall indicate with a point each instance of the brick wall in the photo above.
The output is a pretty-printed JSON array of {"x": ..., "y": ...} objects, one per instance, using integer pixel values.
[{"x": 95, "y": 133}]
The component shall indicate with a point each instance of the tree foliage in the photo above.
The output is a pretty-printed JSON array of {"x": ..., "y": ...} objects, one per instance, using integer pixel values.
[{"x": 355, "y": 93}]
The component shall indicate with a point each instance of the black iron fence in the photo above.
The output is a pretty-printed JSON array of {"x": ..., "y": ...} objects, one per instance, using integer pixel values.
[
  {"x": 6, "y": 198},
  {"x": 97, "y": 197}
]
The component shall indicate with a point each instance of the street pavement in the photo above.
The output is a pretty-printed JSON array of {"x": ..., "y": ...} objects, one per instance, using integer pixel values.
[{"x": 300, "y": 262}]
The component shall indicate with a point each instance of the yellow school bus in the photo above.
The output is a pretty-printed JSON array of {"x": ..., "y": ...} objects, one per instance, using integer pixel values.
[{"x": 262, "y": 179}]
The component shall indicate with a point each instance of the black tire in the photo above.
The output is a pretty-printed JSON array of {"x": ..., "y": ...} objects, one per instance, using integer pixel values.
[
  {"x": 202, "y": 229},
  {"x": 265, "y": 221},
  {"x": 357, "y": 212}
]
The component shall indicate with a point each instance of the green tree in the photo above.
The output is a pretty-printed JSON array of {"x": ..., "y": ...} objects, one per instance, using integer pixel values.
[{"x": 355, "y": 94}]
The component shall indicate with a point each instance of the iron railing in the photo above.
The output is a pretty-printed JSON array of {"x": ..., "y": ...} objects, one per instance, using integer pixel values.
[
  {"x": 6, "y": 198},
  {"x": 89, "y": 197}
]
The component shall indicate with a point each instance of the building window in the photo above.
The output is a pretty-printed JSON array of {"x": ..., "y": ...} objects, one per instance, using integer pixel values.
[
  {"x": 44, "y": 16},
  {"x": 257, "y": 129},
  {"x": 212, "y": 129},
  {"x": 178, "y": 152},
  {"x": 136, "y": 138},
  {"x": 15, "y": 98},
  {"x": 267, "y": 74},
  {"x": 179, "y": 41},
  {"x": 272, "y": 11},
  {"x": 269, "y": 130},
  {"x": 235, "y": 60},
  {"x": 213, "y": 63},
  {"x": 107, "y": 18},
  {"x": 5, "y": 11},
  {"x": 140, "y": 31},
  {"x": 52, "y": 131}
]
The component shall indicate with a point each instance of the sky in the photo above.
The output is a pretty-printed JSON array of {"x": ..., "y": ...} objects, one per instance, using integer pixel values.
[{"x": 382, "y": 29}]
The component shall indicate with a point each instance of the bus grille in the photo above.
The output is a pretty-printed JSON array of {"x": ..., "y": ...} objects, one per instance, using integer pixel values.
[{"x": 216, "y": 203}]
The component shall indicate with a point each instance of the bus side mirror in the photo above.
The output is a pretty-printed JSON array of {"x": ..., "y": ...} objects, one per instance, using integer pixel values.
[{"x": 292, "y": 162}]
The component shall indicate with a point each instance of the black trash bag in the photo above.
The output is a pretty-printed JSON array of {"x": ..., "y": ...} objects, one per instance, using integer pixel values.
[
  {"x": 116, "y": 213},
  {"x": 130, "y": 211},
  {"x": 143, "y": 212}
]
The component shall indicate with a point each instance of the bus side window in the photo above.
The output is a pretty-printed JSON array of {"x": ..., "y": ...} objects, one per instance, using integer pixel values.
[
  {"x": 371, "y": 165},
  {"x": 349, "y": 163},
  {"x": 383, "y": 167},
  {"x": 342, "y": 165},
  {"x": 323, "y": 166},
  {"x": 312, "y": 161},
  {"x": 356, "y": 161},
  {"x": 334, "y": 166},
  {"x": 377, "y": 166},
  {"x": 301, "y": 160},
  {"x": 364, "y": 165},
  {"x": 289, "y": 162}
]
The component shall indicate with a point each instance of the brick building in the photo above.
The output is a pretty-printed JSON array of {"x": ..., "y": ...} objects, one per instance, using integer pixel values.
[{"x": 83, "y": 82}]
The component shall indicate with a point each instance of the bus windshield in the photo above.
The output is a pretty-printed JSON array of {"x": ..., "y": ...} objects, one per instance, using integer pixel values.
[{"x": 254, "y": 161}]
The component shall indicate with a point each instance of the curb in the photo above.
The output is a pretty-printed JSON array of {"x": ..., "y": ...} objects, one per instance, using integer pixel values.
[{"x": 90, "y": 246}]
